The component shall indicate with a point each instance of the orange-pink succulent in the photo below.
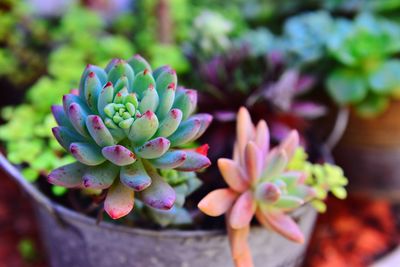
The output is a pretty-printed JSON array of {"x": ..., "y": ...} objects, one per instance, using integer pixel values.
[{"x": 258, "y": 185}]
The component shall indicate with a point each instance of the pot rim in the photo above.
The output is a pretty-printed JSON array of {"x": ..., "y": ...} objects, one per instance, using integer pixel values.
[
  {"x": 69, "y": 214},
  {"x": 63, "y": 214},
  {"x": 66, "y": 214}
]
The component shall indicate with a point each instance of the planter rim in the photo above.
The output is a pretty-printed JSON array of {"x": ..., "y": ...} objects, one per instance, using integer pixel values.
[{"x": 66, "y": 214}]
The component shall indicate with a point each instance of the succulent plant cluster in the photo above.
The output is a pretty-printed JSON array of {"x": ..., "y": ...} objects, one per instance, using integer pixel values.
[
  {"x": 259, "y": 184},
  {"x": 122, "y": 125}
]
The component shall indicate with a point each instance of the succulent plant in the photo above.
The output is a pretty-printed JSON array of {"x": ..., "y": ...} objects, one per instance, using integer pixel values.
[
  {"x": 323, "y": 178},
  {"x": 304, "y": 37},
  {"x": 260, "y": 185},
  {"x": 209, "y": 35},
  {"x": 123, "y": 124},
  {"x": 367, "y": 76}
]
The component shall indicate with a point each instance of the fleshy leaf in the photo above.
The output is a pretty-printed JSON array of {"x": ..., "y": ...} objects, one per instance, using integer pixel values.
[
  {"x": 105, "y": 97},
  {"x": 99, "y": 132},
  {"x": 159, "y": 195},
  {"x": 143, "y": 128},
  {"x": 154, "y": 148},
  {"x": 252, "y": 159},
  {"x": 86, "y": 153},
  {"x": 194, "y": 161},
  {"x": 92, "y": 89},
  {"x": 166, "y": 80},
  {"x": 100, "y": 73},
  {"x": 120, "y": 69},
  {"x": 138, "y": 64},
  {"x": 242, "y": 211},
  {"x": 135, "y": 176},
  {"x": 288, "y": 203},
  {"x": 101, "y": 176},
  {"x": 69, "y": 176},
  {"x": 205, "y": 121},
  {"x": 217, "y": 202},
  {"x": 244, "y": 130},
  {"x": 119, "y": 155},
  {"x": 262, "y": 137},
  {"x": 233, "y": 175},
  {"x": 284, "y": 225},
  {"x": 166, "y": 102},
  {"x": 149, "y": 100},
  {"x": 60, "y": 116},
  {"x": 142, "y": 82},
  {"x": 185, "y": 132},
  {"x": 170, "y": 123},
  {"x": 186, "y": 101},
  {"x": 119, "y": 200},
  {"x": 170, "y": 160},
  {"x": 290, "y": 144},
  {"x": 65, "y": 136},
  {"x": 275, "y": 164},
  {"x": 77, "y": 116}
]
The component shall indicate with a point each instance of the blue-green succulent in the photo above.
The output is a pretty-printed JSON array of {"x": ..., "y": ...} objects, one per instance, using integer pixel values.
[{"x": 123, "y": 125}]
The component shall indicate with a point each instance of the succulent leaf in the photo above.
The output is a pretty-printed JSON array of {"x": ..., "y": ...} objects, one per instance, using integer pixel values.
[
  {"x": 186, "y": 132},
  {"x": 119, "y": 155},
  {"x": 119, "y": 200},
  {"x": 138, "y": 64},
  {"x": 135, "y": 176},
  {"x": 186, "y": 101},
  {"x": 98, "y": 131},
  {"x": 60, "y": 116},
  {"x": 170, "y": 160},
  {"x": 66, "y": 136},
  {"x": 143, "y": 128},
  {"x": 159, "y": 194},
  {"x": 153, "y": 149},
  {"x": 67, "y": 176},
  {"x": 88, "y": 154},
  {"x": 101, "y": 176},
  {"x": 194, "y": 161}
]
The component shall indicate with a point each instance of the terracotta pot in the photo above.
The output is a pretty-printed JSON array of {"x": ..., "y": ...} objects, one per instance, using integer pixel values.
[
  {"x": 369, "y": 153},
  {"x": 75, "y": 240}
]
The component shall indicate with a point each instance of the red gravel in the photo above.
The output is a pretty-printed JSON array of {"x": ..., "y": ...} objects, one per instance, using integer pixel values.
[
  {"x": 17, "y": 224},
  {"x": 353, "y": 233}
]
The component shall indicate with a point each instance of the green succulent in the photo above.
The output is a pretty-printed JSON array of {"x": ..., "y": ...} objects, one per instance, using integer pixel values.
[
  {"x": 368, "y": 74},
  {"x": 304, "y": 37},
  {"x": 323, "y": 178},
  {"x": 123, "y": 124}
]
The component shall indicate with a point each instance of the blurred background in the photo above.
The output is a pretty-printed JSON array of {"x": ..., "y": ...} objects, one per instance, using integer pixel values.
[{"x": 329, "y": 68}]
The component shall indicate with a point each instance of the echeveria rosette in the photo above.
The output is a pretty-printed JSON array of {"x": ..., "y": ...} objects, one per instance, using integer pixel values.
[
  {"x": 124, "y": 124},
  {"x": 260, "y": 185}
]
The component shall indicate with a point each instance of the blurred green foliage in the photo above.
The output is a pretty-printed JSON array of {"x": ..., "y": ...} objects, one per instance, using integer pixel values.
[
  {"x": 323, "y": 178},
  {"x": 356, "y": 46},
  {"x": 368, "y": 75}
]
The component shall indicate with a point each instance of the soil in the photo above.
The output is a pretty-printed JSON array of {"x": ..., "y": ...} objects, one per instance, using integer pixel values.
[{"x": 353, "y": 233}]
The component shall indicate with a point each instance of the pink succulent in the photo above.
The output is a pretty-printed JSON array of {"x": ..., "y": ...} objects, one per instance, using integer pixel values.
[{"x": 258, "y": 185}]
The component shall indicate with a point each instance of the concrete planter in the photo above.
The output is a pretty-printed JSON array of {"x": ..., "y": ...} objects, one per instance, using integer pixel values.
[{"x": 74, "y": 240}]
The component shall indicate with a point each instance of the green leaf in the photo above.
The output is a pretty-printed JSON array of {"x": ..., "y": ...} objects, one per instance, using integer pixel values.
[
  {"x": 372, "y": 106},
  {"x": 386, "y": 77},
  {"x": 346, "y": 86}
]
